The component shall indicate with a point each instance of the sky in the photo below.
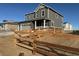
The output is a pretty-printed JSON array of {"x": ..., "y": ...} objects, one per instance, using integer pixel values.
[{"x": 16, "y": 11}]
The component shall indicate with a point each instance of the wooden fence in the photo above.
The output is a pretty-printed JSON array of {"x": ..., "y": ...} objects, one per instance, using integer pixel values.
[
  {"x": 46, "y": 48},
  {"x": 49, "y": 49}
]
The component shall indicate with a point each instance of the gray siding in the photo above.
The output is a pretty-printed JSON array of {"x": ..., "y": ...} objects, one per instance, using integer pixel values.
[
  {"x": 30, "y": 16},
  {"x": 26, "y": 26},
  {"x": 37, "y": 15},
  {"x": 56, "y": 18}
]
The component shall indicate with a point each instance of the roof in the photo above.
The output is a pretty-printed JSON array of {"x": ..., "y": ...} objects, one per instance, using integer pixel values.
[
  {"x": 53, "y": 10},
  {"x": 30, "y": 13},
  {"x": 65, "y": 22},
  {"x": 48, "y": 8},
  {"x": 15, "y": 22}
]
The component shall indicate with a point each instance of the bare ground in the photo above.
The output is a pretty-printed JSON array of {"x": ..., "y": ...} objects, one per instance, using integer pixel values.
[{"x": 8, "y": 43}]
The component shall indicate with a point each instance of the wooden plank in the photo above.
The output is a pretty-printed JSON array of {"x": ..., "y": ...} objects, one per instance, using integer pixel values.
[
  {"x": 53, "y": 46},
  {"x": 36, "y": 50},
  {"x": 24, "y": 46},
  {"x": 52, "y": 51},
  {"x": 46, "y": 53},
  {"x": 60, "y": 47}
]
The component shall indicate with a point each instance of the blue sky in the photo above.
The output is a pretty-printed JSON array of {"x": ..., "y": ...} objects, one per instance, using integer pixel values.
[{"x": 17, "y": 11}]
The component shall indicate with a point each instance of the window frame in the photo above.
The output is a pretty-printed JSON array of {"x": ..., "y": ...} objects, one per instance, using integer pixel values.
[{"x": 42, "y": 12}]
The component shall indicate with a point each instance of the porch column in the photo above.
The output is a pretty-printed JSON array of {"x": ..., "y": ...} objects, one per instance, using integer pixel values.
[
  {"x": 44, "y": 23},
  {"x": 20, "y": 26},
  {"x": 3, "y": 26},
  {"x": 54, "y": 27},
  {"x": 35, "y": 24}
]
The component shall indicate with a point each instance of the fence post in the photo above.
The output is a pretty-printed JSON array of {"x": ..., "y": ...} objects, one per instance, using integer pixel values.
[
  {"x": 54, "y": 30},
  {"x": 34, "y": 44}
]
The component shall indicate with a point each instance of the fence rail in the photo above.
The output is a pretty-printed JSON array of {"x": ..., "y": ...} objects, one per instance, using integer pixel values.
[{"x": 49, "y": 49}]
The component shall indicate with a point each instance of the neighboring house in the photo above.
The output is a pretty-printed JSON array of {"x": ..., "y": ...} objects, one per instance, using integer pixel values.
[
  {"x": 45, "y": 17},
  {"x": 67, "y": 26},
  {"x": 23, "y": 25}
]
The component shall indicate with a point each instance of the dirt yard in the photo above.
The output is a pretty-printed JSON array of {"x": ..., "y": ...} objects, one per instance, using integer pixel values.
[{"x": 8, "y": 46}]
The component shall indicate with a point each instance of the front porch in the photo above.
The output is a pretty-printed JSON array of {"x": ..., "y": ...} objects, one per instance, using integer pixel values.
[{"x": 38, "y": 24}]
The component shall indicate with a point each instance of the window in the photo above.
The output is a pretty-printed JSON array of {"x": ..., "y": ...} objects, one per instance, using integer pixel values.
[{"x": 42, "y": 12}]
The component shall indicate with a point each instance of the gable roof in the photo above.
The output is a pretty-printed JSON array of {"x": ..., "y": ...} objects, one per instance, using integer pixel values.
[
  {"x": 29, "y": 13},
  {"x": 14, "y": 23},
  {"x": 45, "y": 6},
  {"x": 65, "y": 22}
]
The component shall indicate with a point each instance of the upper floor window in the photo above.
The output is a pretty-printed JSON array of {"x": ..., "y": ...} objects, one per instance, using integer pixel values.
[{"x": 42, "y": 12}]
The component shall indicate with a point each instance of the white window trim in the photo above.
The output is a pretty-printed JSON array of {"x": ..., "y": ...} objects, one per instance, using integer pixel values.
[{"x": 41, "y": 12}]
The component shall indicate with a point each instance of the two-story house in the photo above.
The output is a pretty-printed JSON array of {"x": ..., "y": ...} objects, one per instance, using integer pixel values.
[{"x": 44, "y": 17}]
